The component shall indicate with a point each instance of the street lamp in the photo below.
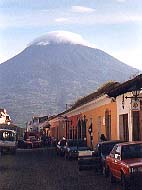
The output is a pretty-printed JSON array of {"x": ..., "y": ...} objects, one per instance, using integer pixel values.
[
  {"x": 135, "y": 99},
  {"x": 135, "y": 93}
]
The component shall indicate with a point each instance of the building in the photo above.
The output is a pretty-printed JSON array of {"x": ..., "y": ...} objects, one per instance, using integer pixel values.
[
  {"x": 38, "y": 124},
  {"x": 88, "y": 118},
  {"x": 128, "y": 97},
  {"x": 4, "y": 117},
  {"x": 5, "y": 123},
  {"x": 114, "y": 110}
]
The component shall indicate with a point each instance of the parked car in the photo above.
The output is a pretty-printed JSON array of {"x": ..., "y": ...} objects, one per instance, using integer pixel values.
[
  {"x": 60, "y": 147},
  {"x": 96, "y": 159},
  {"x": 84, "y": 159},
  {"x": 25, "y": 143},
  {"x": 73, "y": 147},
  {"x": 125, "y": 163},
  {"x": 36, "y": 143},
  {"x": 29, "y": 143},
  {"x": 8, "y": 141}
]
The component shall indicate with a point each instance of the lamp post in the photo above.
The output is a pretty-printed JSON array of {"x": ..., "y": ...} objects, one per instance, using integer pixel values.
[{"x": 135, "y": 93}]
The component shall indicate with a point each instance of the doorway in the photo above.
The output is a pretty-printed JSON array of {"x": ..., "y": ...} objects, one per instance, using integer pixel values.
[
  {"x": 123, "y": 127},
  {"x": 136, "y": 126}
]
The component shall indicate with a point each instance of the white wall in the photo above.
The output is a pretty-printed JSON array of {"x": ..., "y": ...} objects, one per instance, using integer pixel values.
[
  {"x": 3, "y": 117},
  {"x": 126, "y": 110}
]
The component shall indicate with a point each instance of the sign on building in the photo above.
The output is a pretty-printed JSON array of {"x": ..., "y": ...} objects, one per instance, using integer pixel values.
[{"x": 135, "y": 105}]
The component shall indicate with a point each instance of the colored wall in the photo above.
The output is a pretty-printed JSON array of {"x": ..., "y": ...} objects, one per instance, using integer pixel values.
[{"x": 97, "y": 117}]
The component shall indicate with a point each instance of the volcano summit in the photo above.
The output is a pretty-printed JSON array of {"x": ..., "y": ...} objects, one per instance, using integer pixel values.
[{"x": 53, "y": 70}]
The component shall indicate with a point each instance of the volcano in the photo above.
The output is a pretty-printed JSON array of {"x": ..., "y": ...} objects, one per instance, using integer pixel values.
[{"x": 54, "y": 70}]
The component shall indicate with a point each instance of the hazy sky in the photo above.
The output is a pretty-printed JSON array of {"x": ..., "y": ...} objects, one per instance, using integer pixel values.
[{"x": 114, "y": 26}]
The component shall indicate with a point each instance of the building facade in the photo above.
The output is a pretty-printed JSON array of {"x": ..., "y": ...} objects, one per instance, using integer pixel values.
[{"x": 115, "y": 110}]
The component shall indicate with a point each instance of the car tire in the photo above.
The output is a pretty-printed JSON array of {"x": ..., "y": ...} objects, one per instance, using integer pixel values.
[
  {"x": 112, "y": 178},
  {"x": 123, "y": 182}
]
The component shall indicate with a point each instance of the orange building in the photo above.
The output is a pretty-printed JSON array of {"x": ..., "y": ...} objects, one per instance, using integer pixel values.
[
  {"x": 107, "y": 111},
  {"x": 102, "y": 119},
  {"x": 89, "y": 117}
]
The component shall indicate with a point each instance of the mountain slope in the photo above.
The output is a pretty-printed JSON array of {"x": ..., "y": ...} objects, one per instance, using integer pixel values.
[{"x": 43, "y": 78}]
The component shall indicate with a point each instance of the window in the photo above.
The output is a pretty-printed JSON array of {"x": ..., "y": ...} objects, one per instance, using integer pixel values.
[
  {"x": 132, "y": 151},
  {"x": 117, "y": 152}
]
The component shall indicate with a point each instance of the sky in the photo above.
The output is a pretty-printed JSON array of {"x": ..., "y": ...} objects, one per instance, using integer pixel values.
[{"x": 114, "y": 26}]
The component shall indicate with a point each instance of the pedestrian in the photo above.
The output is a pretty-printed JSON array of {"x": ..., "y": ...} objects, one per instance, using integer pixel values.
[{"x": 103, "y": 138}]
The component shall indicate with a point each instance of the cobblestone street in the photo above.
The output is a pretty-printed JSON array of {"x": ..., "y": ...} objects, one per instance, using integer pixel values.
[{"x": 41, "y": 169}]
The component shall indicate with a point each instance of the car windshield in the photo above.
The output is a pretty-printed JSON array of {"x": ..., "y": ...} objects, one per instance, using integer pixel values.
[
  {"x": 132, "y": 151},
  {"x": 82, "y": 143},
  {"x": 77, "y": 143},
  {"x": 106, "y": 148},
  {"x": 72, "y": 143}
]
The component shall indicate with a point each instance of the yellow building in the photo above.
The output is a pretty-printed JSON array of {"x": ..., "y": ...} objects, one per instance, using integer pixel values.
[
  {"x": 107, "y": 111},
  {"x": 102, "y": 116},
  {"x": 99, "y": 111}
]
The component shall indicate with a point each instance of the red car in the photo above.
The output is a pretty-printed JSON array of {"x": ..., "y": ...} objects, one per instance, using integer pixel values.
[{"x": 125, "y": 163}]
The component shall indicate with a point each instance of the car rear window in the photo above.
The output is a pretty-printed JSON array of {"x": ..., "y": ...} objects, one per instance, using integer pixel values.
[{"x": 131, "y": 151}]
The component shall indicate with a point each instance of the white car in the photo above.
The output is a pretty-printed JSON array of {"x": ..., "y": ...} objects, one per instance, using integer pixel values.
[
  {"x": 85, "y": 159},
  {"x": 8, "y": 141}
]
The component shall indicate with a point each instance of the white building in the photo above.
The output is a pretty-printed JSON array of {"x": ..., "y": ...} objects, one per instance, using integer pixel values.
[
  {"x": 128, "y": 97},
  {"x": 37, "y": 124},
  {"x": 4, "y": 117}
]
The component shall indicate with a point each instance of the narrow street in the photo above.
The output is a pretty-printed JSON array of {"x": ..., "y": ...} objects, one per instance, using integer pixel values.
[{"x": 41, "y": 169}]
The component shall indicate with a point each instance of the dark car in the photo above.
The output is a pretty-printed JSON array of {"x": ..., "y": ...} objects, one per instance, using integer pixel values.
[
  {"x": 29, "y": 143},
  {"x": 73, "y": 147},
  {"x": 25, "y": 143},
  {"x": 97, "y": 159},
  {"x": 36, "y": 143},
  {"x": 60, "y": 147}
]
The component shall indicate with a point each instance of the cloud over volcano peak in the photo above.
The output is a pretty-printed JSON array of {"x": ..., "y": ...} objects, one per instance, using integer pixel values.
[{"x": 60, "y": 37}]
